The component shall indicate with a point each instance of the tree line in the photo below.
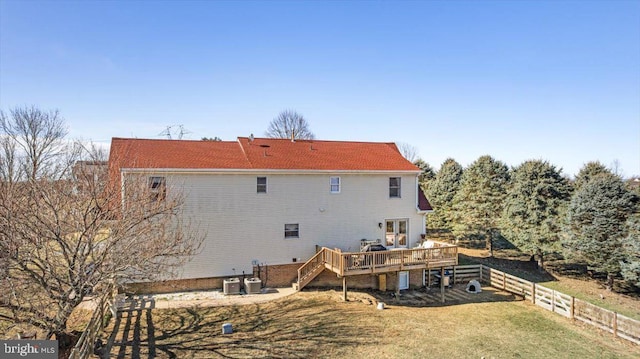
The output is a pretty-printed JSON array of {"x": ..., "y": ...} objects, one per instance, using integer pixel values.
[{"x": 593, "y": 219}]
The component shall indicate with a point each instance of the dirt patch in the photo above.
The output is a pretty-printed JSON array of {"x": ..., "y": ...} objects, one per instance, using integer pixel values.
[{"x": 211, "y": 298}]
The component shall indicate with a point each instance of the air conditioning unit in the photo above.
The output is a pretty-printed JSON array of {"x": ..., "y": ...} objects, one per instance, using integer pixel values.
[
  {"x": 252, "y": 285},
  {"x": 231, "y": 286}
]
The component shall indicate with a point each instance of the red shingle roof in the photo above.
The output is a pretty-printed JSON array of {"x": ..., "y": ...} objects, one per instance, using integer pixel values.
[
  {"x": 260, "y": 153},
  {"x": 423, "y": 202}
]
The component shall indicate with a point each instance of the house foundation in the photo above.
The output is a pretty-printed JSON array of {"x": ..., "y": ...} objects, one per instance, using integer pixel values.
[{"x": 279, "y": 276}]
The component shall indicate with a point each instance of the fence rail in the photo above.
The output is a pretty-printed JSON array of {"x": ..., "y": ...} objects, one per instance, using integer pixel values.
[
  {"x": 563, "y": 304},
  {"x": 85, "y": 345}
]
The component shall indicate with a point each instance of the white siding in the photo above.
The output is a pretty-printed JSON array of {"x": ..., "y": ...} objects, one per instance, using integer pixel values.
[{"x": 243, "y": 225}]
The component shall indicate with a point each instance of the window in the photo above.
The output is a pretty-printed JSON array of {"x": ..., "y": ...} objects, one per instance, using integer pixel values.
[
  {"x": 335, "y": 184},
  {"x": 292, "y": 230},
  {"x": 158, "y": 188},
  {"x": 261, "y": 185},
  {"x": 394, "y": 187}
]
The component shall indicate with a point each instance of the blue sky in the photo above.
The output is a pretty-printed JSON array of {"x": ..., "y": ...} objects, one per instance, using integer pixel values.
[{"x": 554, "y": 80}]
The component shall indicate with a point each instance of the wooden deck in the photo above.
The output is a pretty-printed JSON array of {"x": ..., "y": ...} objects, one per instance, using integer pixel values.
[{"x": 357, "y": 263}]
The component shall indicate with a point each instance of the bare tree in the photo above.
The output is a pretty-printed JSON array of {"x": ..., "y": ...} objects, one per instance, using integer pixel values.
[
  {"x": 616, "y": 168},
  {"x": 289, "y": 124},
  {"x": 39, "y": 135},
  {"x": 409, "y": 152},
  {"x": 69, "y": 233}
]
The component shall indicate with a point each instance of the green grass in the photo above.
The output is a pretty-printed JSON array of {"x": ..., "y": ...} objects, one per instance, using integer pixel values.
[{"x": 318, "y": 324}]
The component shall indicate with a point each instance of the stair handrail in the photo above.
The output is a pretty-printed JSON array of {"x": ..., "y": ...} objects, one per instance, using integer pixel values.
[{"x": 310, "y": 267}]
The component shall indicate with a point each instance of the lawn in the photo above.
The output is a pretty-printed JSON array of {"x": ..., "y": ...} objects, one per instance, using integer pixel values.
[{"x": 319, "y": 324}]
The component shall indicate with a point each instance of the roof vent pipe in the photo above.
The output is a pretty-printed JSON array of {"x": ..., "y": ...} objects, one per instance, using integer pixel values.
[
  {"x": 251, "y": 138},
  {"x": 293, "y": 136}
]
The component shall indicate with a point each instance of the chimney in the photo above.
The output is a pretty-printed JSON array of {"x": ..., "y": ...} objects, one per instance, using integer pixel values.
[{"x": 251, "y": 138}]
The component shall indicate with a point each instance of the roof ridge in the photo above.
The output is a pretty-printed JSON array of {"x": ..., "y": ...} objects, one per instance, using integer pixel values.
[
  {"x": 316, "y": 140},
  {"x": 166, "y": 140}
]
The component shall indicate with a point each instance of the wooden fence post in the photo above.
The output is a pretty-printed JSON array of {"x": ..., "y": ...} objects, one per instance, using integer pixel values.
[
  {"x": 533, "y": 293},
  {"x": 481, "y": 269},
  {"x": 442, "y": 283},
  {"x": 454, "y": 275},
  {"x": 615, "y": 324},
  {"x": 344, "y": 288},
  {"x": 572, "y": 309}
]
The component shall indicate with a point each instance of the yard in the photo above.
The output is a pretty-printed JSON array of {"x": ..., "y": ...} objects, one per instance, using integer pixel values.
[
  {"x": 492, "y": 324},
  {"x": 561, "y": 275}
]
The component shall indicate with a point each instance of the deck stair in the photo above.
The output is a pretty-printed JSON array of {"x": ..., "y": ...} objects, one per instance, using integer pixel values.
[{"x": 310, "y": 269}]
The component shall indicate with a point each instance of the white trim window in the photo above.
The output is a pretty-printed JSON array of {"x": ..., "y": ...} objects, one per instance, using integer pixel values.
[
  {"x": 261, "y": 184},
  {"x": 334, "y": 184},
  {"x": 291, "y": 230},
  {"x": 394, "y": 187}
]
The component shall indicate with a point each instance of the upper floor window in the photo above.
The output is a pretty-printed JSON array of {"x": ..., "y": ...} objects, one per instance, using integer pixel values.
[
  {"x": 292, "y": 230},
  {"x": 157, "y": 188},
  {"x": 261, "y": 185},
  {"x": 394, "y": 187},
  {"x": 334, "y": 183}
]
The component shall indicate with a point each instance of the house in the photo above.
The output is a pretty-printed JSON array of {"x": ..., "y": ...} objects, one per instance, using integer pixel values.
[{"x": 268, "y": 205}]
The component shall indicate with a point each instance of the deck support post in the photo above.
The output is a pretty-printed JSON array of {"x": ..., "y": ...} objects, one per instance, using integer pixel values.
[
  {"x": 442, "y": 283},
  {"x": 397, "y": 286},
  {"x": 344, "y": 288}
]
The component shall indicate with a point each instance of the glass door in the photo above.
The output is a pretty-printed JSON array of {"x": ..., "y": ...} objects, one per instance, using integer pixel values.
[{"x": 396, "y": 233}]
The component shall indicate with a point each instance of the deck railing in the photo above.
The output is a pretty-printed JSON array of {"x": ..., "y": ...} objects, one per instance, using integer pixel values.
[
  {"x": 355, "y": 263},
  {"x": 352, "y": 263}
]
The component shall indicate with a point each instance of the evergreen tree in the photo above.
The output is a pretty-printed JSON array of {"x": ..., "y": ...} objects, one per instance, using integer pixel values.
[
  {"x": 630, "y": 267},
  {"x": 478, "y": 203},
  {"x": 441, "y": 191},
  {"x": 597, "y": 224},
  {"x": 633, "y": 184},
  {"x": 535, "y": 200},
  {"x": 428, "y": 172},
  {"x": 589, "y": 171}
]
